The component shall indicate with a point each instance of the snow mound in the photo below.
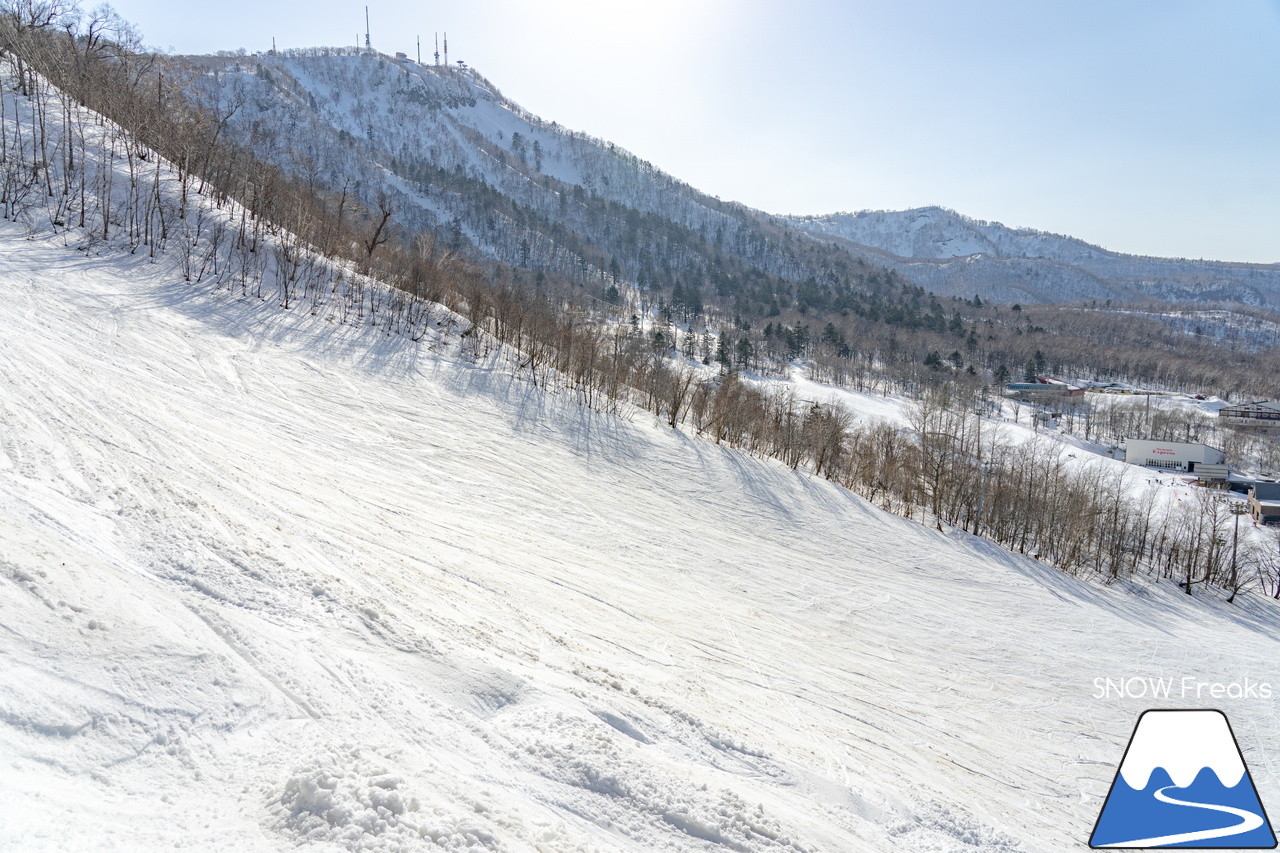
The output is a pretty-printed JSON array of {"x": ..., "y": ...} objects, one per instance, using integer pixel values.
[{"x": 352, "y": 798}]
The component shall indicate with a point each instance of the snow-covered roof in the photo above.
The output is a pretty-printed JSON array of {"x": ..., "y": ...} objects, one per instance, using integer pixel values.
[
  {"x": 1261, "y": 405},
  {"x": 1173, "y": 443}
]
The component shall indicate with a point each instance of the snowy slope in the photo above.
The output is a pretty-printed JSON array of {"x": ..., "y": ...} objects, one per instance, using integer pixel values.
[{"x": 269, "y": 580}]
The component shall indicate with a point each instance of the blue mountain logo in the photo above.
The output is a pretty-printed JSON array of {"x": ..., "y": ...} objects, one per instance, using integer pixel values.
[{"x": 1183, "y": 783}]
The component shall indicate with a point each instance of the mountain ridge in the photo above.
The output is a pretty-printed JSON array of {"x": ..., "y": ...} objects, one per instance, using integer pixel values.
[
  {"x": 925, "y": 243},
  {"x": 461, "y": 159}
]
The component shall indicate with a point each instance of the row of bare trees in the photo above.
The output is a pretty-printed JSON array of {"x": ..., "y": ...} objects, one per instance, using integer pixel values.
[
  {"x": 951, "y": 466},
  {"x": 99, "y": 142}
]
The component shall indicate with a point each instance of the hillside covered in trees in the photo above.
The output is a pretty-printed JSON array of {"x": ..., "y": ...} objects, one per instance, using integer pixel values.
[
  {"x": 440, "y": 150},
  {"x": 948, "y": 253}
]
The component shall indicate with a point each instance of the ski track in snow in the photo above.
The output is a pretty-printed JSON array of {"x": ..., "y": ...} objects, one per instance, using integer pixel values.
[{"x": 269, "y": 581}]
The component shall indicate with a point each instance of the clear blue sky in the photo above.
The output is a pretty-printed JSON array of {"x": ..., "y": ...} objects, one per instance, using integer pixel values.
[{"x": 1150, "y": 126}]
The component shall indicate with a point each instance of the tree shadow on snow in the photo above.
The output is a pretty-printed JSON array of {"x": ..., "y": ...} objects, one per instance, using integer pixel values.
[{"x": 1161, "y": 604}]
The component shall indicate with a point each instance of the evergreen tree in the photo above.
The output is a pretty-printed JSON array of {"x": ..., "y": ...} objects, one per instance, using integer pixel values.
[
  {"x": 722, "y": 352},
  {"x": 831, "y": 336}
]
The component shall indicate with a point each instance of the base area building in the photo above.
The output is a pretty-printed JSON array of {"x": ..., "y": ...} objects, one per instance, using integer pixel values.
[
  {"x": 1171, "y": 455},
  {"x": 1264, "y": 503},
  {"x": 1264, "y": 413}
]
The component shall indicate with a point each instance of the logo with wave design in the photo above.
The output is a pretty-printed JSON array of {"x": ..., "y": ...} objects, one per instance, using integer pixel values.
[{"x": 1183, "y": 783}]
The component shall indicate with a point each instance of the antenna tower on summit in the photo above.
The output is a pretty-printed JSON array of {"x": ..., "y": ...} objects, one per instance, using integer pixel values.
[
  {"x": 437, "y": 48},
  {"x": 368, "y": 45},
  {"x": 446, "y": 50},
  {"x": 419, "y": 50}
]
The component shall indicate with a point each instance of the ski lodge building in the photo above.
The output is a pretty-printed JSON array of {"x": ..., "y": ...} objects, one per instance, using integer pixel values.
[
  {"x": 1264, "y": 503},
  {"x": 1264, "y": 413},
  {"x": 1044, "y": 386},
  {"x": 1171, "y": 455}
]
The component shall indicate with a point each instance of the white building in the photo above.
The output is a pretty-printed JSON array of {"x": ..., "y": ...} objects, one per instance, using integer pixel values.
[
  {"x": 1171, "y": 455},
  {"x": 1264, "y": 413}
]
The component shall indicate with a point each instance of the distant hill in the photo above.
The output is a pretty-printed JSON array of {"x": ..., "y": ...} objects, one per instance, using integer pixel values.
[{"x": 952, "y": 254}]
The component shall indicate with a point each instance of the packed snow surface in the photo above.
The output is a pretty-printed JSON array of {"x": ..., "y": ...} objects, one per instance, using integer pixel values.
[{"x": 268, "y": 582}]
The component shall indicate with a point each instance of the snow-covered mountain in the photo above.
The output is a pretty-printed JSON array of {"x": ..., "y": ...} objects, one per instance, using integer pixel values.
[
  {"x": 932, "y": 232},
  {"x": 952, "y": 254},
  {"x": 456, "y": 157}
]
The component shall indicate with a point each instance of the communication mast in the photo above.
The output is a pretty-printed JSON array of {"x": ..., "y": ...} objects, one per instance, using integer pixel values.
[
  {"x": 446, "y": 50},
  {"x": 419, "y": 50},
  {"x": 368, "y": 45},
  {"x": 437, "y": 48}
]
